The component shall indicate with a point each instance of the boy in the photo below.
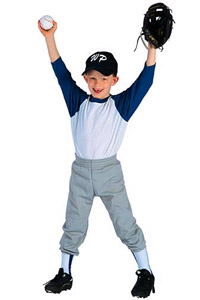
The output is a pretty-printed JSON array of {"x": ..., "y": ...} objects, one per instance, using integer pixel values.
[{"x": 98, "y": 124}]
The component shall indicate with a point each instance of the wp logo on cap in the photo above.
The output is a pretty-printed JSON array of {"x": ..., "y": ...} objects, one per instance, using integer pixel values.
[
  {"x": 103, "y": 62},
  {"x": 98, "y": 56}
]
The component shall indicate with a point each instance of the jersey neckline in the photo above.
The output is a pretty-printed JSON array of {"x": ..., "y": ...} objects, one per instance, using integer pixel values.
[{"x": 93, "y": 99}]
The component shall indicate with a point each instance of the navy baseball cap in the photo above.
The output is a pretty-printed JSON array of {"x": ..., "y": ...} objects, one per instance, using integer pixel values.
[{"x": 103, "y": 62}]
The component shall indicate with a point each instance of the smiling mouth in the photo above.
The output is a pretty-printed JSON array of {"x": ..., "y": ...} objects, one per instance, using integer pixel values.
[{"x": 97, "y": 91}]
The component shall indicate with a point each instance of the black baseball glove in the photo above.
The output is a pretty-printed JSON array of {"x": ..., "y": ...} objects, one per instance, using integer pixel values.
[{"x": 157, "y": 25}]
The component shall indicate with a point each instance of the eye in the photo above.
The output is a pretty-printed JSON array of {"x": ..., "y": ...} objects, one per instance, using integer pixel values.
[{"x": 104, "y": 79}]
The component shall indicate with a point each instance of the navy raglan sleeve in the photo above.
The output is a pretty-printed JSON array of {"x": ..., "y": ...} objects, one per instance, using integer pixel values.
[
  {"x": 73, "y": 95},
  {"x": 128, "y": 101}
]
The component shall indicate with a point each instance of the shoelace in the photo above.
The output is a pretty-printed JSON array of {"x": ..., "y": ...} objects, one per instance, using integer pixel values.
[
  {"x": 59, "y": 275},
  {"x": 143, "y": 278}
]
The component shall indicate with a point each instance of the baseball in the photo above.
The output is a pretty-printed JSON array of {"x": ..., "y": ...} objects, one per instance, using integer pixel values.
[{"x": 46, "y": 22}]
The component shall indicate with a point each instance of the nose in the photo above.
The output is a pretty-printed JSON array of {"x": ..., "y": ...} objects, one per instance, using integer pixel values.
[{"x": 97, "y": 83}]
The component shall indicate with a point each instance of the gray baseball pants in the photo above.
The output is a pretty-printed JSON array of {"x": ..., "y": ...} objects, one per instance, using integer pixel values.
[{"x": 102, "y": 178}]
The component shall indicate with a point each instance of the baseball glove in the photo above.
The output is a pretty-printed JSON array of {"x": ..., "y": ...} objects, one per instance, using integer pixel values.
[{"x": 157, "y": 25}]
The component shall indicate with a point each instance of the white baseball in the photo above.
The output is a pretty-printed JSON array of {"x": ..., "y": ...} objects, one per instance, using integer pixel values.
[{"x": 46, "y": 22}]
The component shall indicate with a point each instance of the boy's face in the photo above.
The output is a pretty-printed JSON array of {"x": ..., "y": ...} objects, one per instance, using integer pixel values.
[{"x": 99, "y": 84}]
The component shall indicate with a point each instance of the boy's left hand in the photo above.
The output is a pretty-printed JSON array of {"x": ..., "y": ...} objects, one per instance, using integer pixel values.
[
  {"x": 151, "y": 57},
  {"x": 150, "y": 46}
]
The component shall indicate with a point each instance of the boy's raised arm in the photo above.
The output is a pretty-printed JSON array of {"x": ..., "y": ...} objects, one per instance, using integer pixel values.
[
  {"x": 50, "y": 41},
  {"x": 73, "y": 95},
  {"x": 151, "y": 57}
]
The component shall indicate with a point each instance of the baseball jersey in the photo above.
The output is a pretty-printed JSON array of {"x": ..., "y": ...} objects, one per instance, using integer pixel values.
[{"x": 98, "y": 125}]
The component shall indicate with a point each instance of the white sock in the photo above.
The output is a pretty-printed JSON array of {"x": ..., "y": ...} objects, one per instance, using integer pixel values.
[
  {"x": 142, "y": 259},
  {"x": 66, "y": 262}
]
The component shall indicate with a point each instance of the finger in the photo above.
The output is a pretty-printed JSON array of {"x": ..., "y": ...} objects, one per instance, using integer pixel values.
[
  {"x": 54, "y": 25},
  {"x": 39, "y": 24}
]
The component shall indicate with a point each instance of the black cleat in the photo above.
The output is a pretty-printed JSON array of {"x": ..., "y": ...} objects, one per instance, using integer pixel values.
[
  {"x": 61, "y": 282},
  {"x": 144, "y": 284}
]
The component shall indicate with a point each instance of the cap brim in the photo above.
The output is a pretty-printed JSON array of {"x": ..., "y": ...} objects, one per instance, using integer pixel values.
[{"x": 103, "y": 71}]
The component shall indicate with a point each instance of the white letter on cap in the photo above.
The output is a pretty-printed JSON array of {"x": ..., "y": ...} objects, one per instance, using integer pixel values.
[
  {"x": 94, "y": 57},
  {"x": 102, "y": 57}
]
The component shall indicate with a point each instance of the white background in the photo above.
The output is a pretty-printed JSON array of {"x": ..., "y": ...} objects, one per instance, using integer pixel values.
[{"x": 159, "y": 153}]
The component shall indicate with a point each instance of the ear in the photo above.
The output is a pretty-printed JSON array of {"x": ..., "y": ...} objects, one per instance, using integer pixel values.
[
  {"x": 85, "y": 77},
  {"x": 115, "y": 80}
]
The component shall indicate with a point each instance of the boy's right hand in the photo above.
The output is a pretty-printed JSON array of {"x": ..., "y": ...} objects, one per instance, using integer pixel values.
[
  {"x": 47, "y": 33},
  {"x": 50, "y": 41}
]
